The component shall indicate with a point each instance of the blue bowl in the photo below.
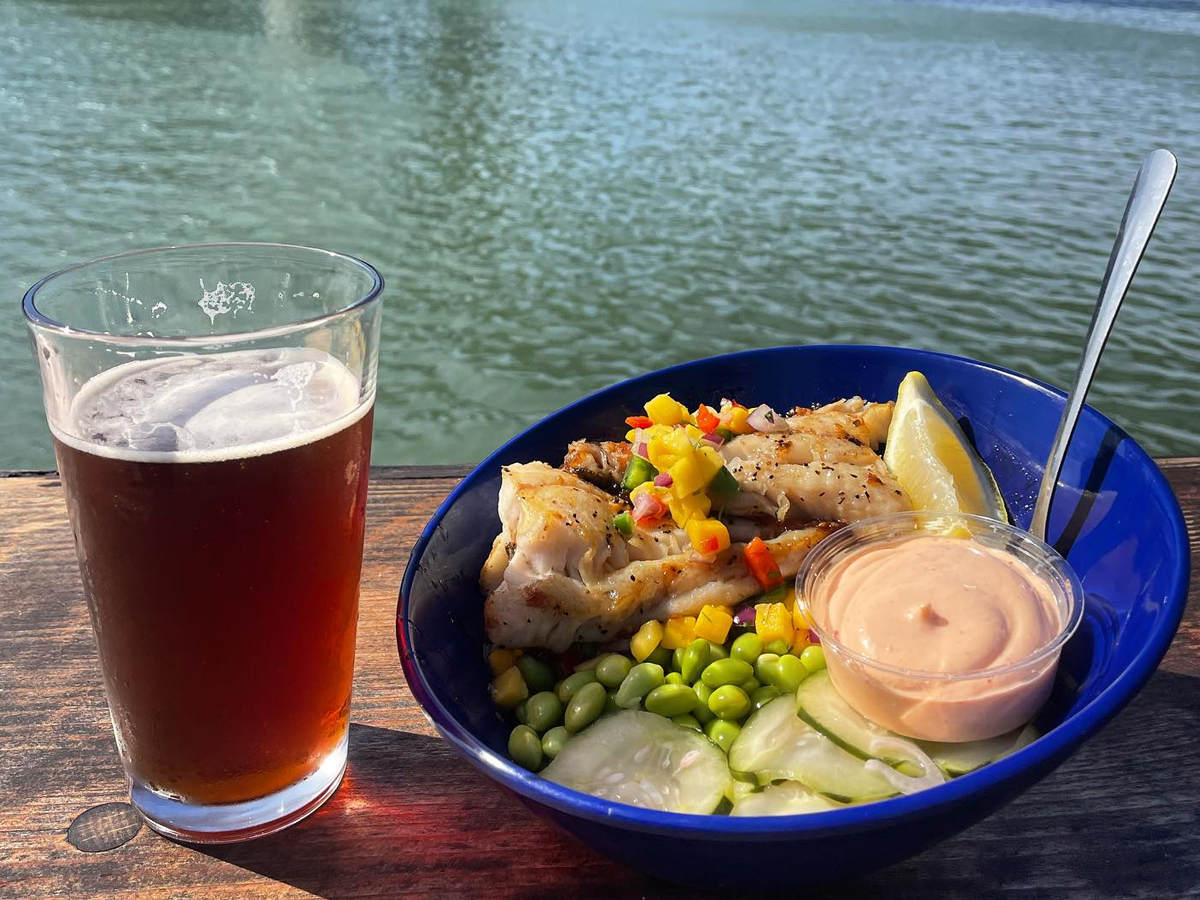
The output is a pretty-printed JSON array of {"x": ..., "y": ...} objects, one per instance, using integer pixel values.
[{"x": 1114, "y": 518}]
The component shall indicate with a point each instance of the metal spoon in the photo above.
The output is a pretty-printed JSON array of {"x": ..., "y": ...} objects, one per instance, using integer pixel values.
[{"x": 1146, "y": 201}]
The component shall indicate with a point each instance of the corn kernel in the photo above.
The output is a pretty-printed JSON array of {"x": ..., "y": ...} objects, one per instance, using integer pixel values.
[
  {"x": 679, "y": 632},
  {"x": 773, "y": 622},
  {"x": 687, "y": 477},
  {"x": 664, "y": 410},
  {"x": 646, "y": 640},
  {"x": 508, "y": 688},
  {"x": 501, "y": 659},
  {"x": 713, "y": 623},
  {"x": 700, "y": 531}
]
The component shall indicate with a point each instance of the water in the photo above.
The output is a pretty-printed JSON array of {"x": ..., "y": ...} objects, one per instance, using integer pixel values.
[{"x": 561, "y": 195}]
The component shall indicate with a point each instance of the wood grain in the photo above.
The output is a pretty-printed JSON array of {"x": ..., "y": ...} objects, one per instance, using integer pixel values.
[{"x": 1121, "y": 819}]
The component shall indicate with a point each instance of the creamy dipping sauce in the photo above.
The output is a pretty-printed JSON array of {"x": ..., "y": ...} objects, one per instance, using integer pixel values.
[
  {"x": 942, "y": 605},
  {"x": 939, "y": 604}
]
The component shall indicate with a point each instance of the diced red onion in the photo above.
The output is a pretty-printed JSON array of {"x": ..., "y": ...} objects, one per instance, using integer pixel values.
[
  {"x": 766, "y": 420},
  {"x": 663, "y": 479},
  {"x": 744, "y": 616},
  {"x": 647, "y": 507},
  {"x": 640, "y": 449},
  {"x": 714, "y": 440}
]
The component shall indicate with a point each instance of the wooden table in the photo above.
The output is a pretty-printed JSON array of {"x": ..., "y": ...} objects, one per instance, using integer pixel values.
[{"x": 1121, "y": 819}]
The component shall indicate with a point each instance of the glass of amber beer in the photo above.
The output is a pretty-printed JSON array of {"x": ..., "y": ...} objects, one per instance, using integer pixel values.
[{"x": 211, "y": 410}]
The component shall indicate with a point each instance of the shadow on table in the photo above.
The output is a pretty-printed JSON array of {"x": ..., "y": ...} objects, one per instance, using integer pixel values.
[{"x": 1120, "y": 819}]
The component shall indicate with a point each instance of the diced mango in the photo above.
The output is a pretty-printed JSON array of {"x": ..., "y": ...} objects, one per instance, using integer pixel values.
[
  {"x": 694, "y": 507},
  {"x": 737, "y": 421},
  {"x": 679, "y": 632},
  {"x": 710, "y": 462},
  {"x": 799, "y": 618},
  {"x": 646, "y": 640},
  {"x": 501, "y": 659},
  {"x": 789, "y": 599},
  {"x": 799, "y": 640},
  {"x": 713, "y": 623},
  {"x": 701, "y": 532},
  {"x": 509, "y": 688},
  {"x": 687, "y": 477},
  {"x": 773, "y": 622},
  {"x": 665, "y": 410}
]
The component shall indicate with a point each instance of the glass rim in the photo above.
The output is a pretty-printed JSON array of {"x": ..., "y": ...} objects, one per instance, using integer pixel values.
[
  {"x": 830, "y": 549},
  {"x": 38, "y": 320}
]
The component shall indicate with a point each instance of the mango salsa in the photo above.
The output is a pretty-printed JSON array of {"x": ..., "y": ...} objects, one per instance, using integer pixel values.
[
  {"x": 678, "y": 632},
  {"x": 713, "y": 623},
  {"x": 773, "y": 622}
]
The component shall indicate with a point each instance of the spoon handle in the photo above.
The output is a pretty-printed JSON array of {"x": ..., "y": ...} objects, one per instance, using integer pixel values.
[{"x": 1146, "y": 200}]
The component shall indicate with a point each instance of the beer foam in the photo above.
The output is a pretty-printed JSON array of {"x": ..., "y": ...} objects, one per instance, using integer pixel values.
[{"x": 203, "y": 408}]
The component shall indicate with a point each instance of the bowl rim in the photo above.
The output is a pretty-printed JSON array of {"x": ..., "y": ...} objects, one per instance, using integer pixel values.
[{"x": 1048, "y": 750}]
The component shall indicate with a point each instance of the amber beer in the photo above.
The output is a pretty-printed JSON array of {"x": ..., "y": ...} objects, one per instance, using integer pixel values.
[{"x": 218, "y": 507}]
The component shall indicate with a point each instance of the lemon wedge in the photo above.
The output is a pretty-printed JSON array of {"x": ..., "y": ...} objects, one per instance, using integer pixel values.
[{"x": 932, "y": 459}]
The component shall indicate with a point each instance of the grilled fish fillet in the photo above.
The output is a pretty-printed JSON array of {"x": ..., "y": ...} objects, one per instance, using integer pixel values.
[
  {"x": 559, "y": 572},
  {"x": 841, "y": 492}
]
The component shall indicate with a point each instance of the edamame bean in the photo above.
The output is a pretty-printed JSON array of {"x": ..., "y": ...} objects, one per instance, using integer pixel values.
[
  {"x": 722, "y": 733},
  {"x": 674, "y": 678},
  {"x": 671, "y": 700},
  {"x": 764, "y": 695},
  {"x": 543, "y": 711},
  {"x": 538, "y": 675},
  {"x": 525, "y": 747},
  {"x": 695, "y": 658},
  {"x": 677, "y": 659},
  {"x": 729, "y": 702},
  {"x": 572, "y": 683},
  {"x": 750, "y": 685},
  {"x": 519, "y": 711},
  {"x": 717, "y": 651},
  {"x": 764, "y": 667},
  {"x": 554, "y": 740},
  {"x": 610, "y": 703},
  {"x": 641, "y": 680},
  {"x": 585, "y": 707},
  {"x": 790, "y": 671},
  {"x": 726, "y": 671},
  {"x": 778, "y": 647},
  {"x": 701, "y": 712},
  {"x": 687, "y": 721},
  {"x": 612, "y": 669},
  {"x": 747, "y": 647},
  {"x": 813, "y": 657},
  {"x": 660, "y": 657}
]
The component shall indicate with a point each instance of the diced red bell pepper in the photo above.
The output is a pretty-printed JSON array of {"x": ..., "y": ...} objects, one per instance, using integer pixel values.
[
  {"x": 639, "y": 422},
  {"x": 762, "y": 564},
  {"x": 707, "y": 420}
]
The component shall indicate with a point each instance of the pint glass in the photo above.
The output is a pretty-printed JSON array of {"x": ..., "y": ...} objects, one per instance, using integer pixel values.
[{"x": 211, "y": 411}]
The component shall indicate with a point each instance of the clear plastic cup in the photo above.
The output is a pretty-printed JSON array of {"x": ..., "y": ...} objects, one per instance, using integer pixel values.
[{"x": 942, "y": 706}]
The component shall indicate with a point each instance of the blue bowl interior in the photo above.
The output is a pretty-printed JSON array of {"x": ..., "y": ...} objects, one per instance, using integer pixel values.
[{"x": 1114, "y": 518}]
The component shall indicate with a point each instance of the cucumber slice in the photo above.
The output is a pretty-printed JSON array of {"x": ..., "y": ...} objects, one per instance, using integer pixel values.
[
  {"x": 958, "y": 759},
  {"x": 645, "y": 760},
  {"x": 820, "y": 705},
  {"x": 775, "y": 744},
  {"x": 788, "y": 798}
]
